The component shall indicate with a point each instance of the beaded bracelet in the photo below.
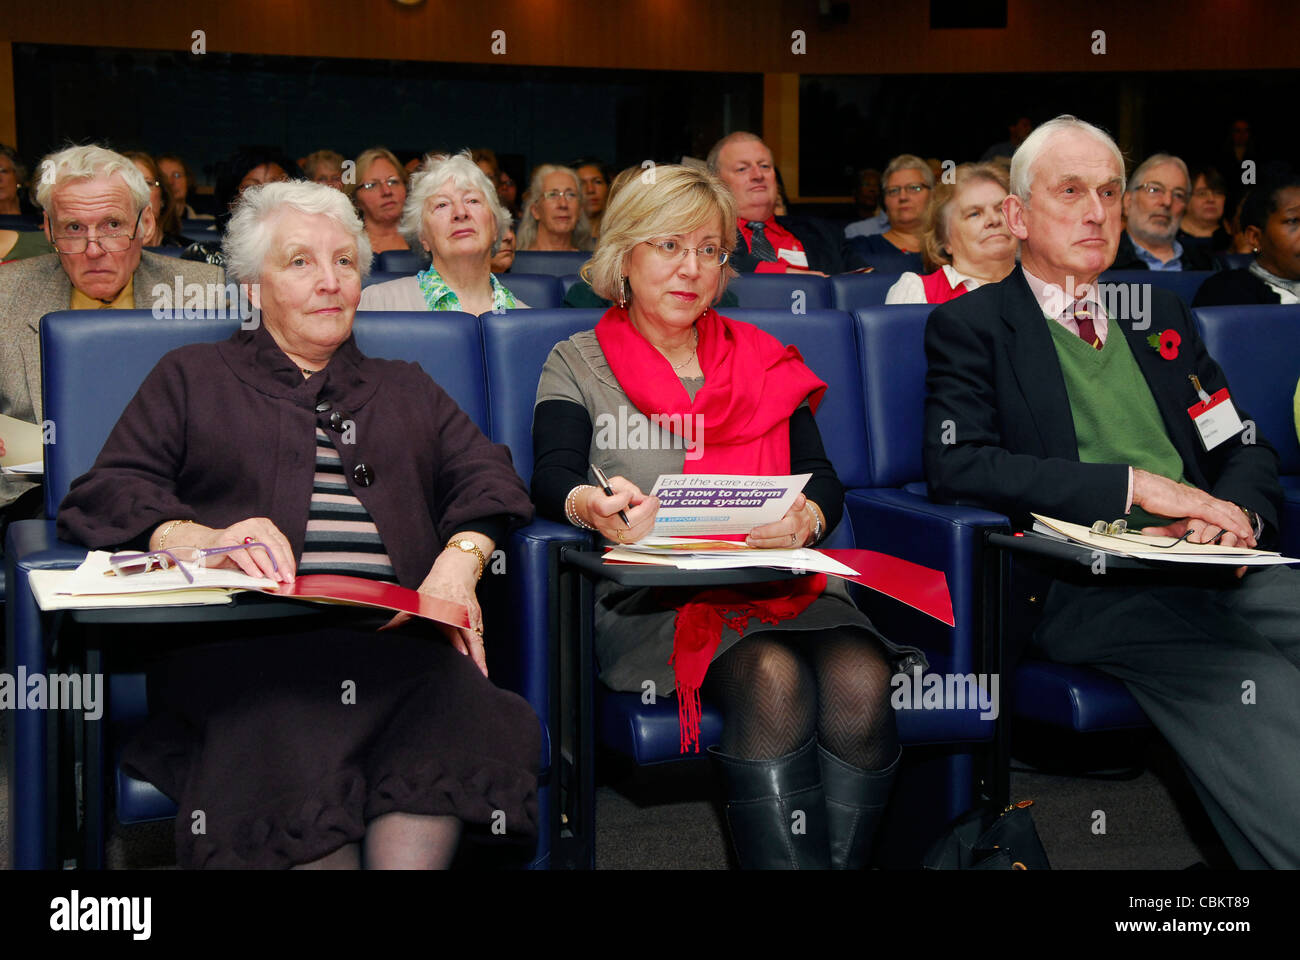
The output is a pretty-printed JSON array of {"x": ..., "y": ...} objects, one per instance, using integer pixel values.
[{"x": 571, "y": 508}]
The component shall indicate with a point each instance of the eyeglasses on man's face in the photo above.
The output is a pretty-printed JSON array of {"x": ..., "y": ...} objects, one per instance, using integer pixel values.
[
  {"x": 392, "y": 183},
  {"x": 109, "y": 236},
  {"x": 709, "y": 254},
  {"x": 909, "y": 187},
  {"x": 1160, "y": 191},
  {"x": 554, "y": 195}
]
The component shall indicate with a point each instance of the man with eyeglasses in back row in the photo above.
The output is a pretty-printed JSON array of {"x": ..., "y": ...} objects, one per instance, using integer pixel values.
[
  {"x": 1154, "y": 205},
  {"x": 97, "y": 215}
]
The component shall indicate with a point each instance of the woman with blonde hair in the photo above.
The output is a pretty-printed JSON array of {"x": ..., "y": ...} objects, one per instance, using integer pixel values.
[
  {"x": 966, "y": 242},
  {"x": 380, "y": 195},
  {"x": 803, "y": 678}
]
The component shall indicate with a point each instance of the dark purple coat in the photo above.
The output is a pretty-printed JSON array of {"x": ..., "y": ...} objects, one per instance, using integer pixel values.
[{"x": 220, "y": 432}]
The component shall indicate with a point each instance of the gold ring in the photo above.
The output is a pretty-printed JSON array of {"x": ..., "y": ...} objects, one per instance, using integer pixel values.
[{"x": 619, "y": 535}]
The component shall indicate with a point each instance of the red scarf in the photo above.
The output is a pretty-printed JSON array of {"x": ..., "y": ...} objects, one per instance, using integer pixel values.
[{"x": 752, "y": 384}]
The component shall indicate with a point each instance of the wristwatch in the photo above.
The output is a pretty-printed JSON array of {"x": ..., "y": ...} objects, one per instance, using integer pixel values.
[
  {"x": 465, "y": 545},
  {"x": 1254, "y": 519}
]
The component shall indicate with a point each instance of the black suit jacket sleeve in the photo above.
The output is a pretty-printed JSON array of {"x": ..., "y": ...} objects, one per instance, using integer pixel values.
[
  {"x": 977, "y": 453},
  {"x": 998, "y": 427}
]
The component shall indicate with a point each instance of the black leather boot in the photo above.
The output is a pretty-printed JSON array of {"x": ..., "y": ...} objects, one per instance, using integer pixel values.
[
  {"x": 775, "y": 810},
  {"x": 855, "y": 802}
]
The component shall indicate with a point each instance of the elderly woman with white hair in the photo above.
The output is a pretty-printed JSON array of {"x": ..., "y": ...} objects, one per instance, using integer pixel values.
[
  {"x": 554, "y": 217},
  {"x": 801, "y": 676},
  {"x": 966, "y": 242},
  {"x": 237, "y": 449},
  {"x": 453, "y": 212}
]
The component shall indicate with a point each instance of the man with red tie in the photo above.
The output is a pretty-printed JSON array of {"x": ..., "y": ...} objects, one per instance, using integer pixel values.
[
  {"x": 767, "y": 243},
  {"x": 1040, "y": 400}
]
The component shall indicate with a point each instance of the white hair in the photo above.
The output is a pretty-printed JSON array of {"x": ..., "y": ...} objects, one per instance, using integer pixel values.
[
  {"x": 463, "y": 174},
  {"x": 248, "y": 236},
  {"x": 87, "y": 163},
  {"x": 526, "y": 232},
  {"x": 1026, "y": 155},
  {"x": 1155, "y": 160}
]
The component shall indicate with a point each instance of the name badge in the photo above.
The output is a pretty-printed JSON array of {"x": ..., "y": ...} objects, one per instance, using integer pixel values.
[
  {"x": 1215, "y": 419},
  {"x": 796, "y": 258}
]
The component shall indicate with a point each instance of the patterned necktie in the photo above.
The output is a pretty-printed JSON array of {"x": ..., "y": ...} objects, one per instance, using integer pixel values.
[
  {"x": 759, "y": 245},
  {"x": 1087, "y": 333}
]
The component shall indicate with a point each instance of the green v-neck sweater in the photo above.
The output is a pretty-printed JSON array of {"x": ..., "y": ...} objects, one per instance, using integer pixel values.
[{"x": 1115, "y": 417}]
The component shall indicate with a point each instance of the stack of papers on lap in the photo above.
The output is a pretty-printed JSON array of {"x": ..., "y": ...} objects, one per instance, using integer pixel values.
[
  {"x": 919, "y": 587},
  {"x": 24, "y": 450},
  {"x": 1170, "y": 549}
]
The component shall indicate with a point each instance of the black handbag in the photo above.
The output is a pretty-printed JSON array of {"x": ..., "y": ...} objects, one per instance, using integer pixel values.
[{"x": 988, "y": 839}]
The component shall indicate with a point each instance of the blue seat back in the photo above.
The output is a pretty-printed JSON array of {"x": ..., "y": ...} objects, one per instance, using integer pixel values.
[
  {"x": 782, "y": 291},
  {"x": 93, "y": 362},
  {"x": 381, "y": 276},
  {"x": 853, "y": 291},
  {"x": 167, "y": 251},
  {"x": 1185, "y": 283},
  {"x": 541, "y": 291},
  {"x": 16, "y": 221},
  {"x": 891, "y": 351},
  {"x": 569, "y": 279},
  {"x": 1235, "y": 261},
  {"x": 556, "y": 263},
  {"x": 515, "y": 347},
  {"x": 405, "y": 262},
  {"x": 1258, "y": 347}
]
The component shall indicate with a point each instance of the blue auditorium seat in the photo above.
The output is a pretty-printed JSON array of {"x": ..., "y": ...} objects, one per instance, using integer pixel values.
[
  {"x": 92, "y": 364},
  {"x": 557, "y": 263},
  {"x": 1185, "y": 283},
  {"x": 405, "y": 262},
  {"x": 17, "y": 221},
  {"x": 1258, "y": 347},
  {"x": 1235, "y": 261},
  {"x": 167, "y": 251},
  {"x": 799, "y": 292},
  {"x": 381, "y": 276},
  {"x": 951, "y": 538},
  {"x": 852, "y": 291},
  {"x": 541, "y": 291}
]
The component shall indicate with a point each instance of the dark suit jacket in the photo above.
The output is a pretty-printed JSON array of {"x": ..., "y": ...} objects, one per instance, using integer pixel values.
[
  {"x": 1195, "y": 256},
  {"x": 1233, "y": 287},
  {"x": 823, "y": 245},
  {"x": 994, "y": 373}
]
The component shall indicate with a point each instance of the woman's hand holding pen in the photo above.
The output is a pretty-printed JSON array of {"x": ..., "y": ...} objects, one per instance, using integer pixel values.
[{"x": 601, "y": 511}]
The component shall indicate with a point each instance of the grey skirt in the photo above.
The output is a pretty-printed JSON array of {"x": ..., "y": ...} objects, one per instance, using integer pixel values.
[{"x": 633, "y": 633}]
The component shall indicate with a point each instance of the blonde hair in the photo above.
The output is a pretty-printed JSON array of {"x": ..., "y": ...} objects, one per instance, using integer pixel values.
[
  {"x": 662, "y": 201},
  {"x": 364, "y": 161},
  {"x": 938, "y": 215},
  {"x": 526, "y": 231}
]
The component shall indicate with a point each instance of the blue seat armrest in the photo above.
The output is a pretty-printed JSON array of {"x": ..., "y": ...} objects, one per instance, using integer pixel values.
[{"x": 35, "y": 545}]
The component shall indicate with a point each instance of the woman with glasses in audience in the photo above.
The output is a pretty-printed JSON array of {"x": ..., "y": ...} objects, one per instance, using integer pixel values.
[
  {"x": 966, "y": 242},
  {"x": 380, "y": 195},
  {"x": 453, "y": 212},
  {"x": 1270, "y": 220},
  {"x": 553, "y": 217},
  {"x": 800, "y": 674},
  {"x": 908, "y": 184},
  {"x": 290, "y": 446},
  {"x": 166, "y": 215}
]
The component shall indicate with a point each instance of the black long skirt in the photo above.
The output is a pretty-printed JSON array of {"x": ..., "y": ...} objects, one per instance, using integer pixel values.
[{"x": 279, "y": 750}]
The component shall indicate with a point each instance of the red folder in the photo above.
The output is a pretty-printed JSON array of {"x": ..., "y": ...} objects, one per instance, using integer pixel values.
[
  {"x": 358, "y": 591},
  {"x": 919, "y": 587}
]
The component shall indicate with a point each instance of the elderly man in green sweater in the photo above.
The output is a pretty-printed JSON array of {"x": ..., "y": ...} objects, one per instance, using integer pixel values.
[{"x": 1043, "y": 397}]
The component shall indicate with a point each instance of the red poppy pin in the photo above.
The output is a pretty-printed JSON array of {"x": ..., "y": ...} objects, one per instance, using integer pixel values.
[{"x": 1166, "y": 342}]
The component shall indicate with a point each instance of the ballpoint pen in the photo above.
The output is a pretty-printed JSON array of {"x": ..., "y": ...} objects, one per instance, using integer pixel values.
[{"x": 609, "y": 492}]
